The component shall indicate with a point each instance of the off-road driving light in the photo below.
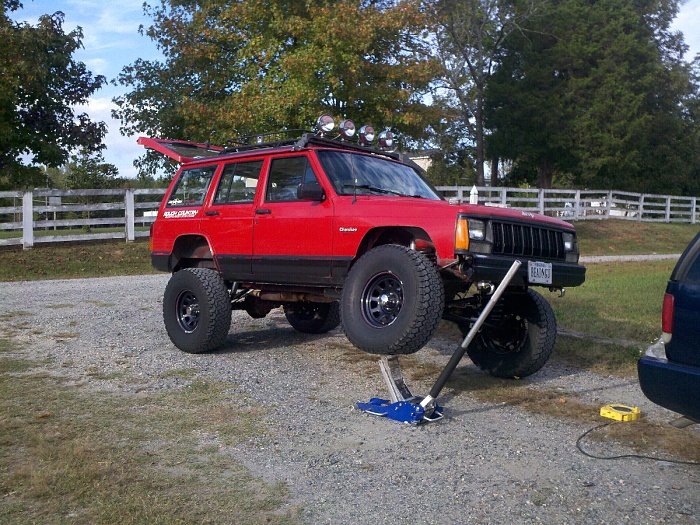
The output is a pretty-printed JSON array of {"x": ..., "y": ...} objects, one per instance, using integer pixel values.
[
  {"x": 366, "y": 135},
  {"x": 386, "y": 140},
  {"x": 347, "y": 129},
  {"x": 325, "y": 124}
]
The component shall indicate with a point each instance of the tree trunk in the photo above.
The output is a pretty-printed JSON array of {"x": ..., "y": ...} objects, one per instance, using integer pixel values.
[
  {"x": 545, "y": 173},
  {"x": 494, "y": 171}
]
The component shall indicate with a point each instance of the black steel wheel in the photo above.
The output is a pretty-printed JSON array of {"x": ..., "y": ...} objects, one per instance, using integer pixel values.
[
  {"x": 197, "y": 310},
  {"x": 519, "y": 341},
  {"x": 392, "y": 301},
  {"x": 313, "y": 318}
]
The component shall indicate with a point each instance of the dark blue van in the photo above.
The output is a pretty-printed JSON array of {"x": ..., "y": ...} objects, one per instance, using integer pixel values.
[{"x": 669, "y": 374}]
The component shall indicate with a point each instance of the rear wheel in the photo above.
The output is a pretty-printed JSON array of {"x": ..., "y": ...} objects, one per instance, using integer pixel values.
[
  {"x": 520, "y": 342},
  {"x": 197, "y": 310},
  {"x": 313, "y": 318},
  {"x": 392, "y": 301}
]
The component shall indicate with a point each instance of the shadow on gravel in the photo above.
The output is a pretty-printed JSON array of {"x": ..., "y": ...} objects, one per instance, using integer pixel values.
[{"x": 279, "y": 339}]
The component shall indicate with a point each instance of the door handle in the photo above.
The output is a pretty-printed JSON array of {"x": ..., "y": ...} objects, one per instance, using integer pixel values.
[
  {"x": 263, "y": 212},
  {"x": 211, "y": 213}
]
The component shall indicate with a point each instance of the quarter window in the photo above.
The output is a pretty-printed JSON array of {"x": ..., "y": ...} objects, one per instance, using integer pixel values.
[
  {"x": 191, "y": 187},
  {"x": 238, "y": 183},
  {"x": 286, "y": 174}
]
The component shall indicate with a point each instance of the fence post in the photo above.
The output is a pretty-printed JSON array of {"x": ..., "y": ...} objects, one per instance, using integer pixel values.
[
  {"x": 27, "y": 220},
  {"x": 577, "y": 205},
  {"x": 668, "y": 209},
  {"x": 540, "y": 197},
  {"x": 129, "y": 214},
  {"x": 692, "y": 210},
  {"x": 504, "y": 196},
  {"x": 641, "y": 208}
]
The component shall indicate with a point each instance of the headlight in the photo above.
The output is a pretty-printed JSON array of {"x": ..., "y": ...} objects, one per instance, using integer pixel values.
[
  {"x": 469, "y": 230},
  {"x": 477, "y": 230},
  {"x": 568, "y": 239}
]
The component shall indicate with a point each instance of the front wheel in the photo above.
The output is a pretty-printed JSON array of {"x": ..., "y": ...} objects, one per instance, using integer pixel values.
[
  {"x": 197, "y": 310},
  {"x": 392, "y": 301},
  {"x": 313, "y": 318},
  {"x": 519, "y": 341}
]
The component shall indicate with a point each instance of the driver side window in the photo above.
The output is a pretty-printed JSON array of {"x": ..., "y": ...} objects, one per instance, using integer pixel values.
[{"x": 286, "y": 174}]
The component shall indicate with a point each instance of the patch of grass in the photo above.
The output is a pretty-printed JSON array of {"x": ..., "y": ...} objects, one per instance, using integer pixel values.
[
  {"x": 71, "y": 457},
  {"x": 75, "y": 260},
  {"x": 596, "y": 356},
  {"x": 618, "y": 300},
  {"x": 618, "y": 237},
  {"x": 59, "y": 306},
  {"x": 643, "y": 436}
]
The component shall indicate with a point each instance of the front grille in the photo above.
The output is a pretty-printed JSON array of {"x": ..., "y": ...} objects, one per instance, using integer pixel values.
[{"x": 527, "y": 241}]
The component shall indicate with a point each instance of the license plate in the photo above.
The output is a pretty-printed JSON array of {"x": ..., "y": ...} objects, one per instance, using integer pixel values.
[{"x": 539, "y": 272}]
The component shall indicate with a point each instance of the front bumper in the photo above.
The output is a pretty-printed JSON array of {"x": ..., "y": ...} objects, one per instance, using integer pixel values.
[
  {"x": 494, "y": 268},
  {"x": 670, "y": 385}
]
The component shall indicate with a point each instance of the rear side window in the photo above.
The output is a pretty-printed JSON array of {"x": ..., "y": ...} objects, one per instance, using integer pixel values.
[
  {"x": 238, "y": 183},
  {"x": 191, "y": 187},
  {"x": 688, "y": 267},
  {"x": 693, "y": 275},
  {"x": 286, "y": 174}
]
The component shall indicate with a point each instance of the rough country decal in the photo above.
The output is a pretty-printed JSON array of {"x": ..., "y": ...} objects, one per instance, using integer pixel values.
[
  {"x": 180, "y": 214},
  {"x": 528, "y": 214},
  {"x": 348, "y": 229}
]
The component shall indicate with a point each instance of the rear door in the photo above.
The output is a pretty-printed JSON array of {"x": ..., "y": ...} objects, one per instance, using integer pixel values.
[
  {"x": 293, "y": 238},
  {"x": 229, "y": 220}
]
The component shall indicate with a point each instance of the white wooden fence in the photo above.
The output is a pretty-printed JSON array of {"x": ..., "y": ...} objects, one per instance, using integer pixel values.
[
  {"x": 44, "y": 215},
  {"x": 584, "y": 204}
]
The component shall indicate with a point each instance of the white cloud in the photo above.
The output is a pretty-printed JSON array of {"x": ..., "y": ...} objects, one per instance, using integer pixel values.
[
  {"x": 121, "y": 151},
  {"x": 688, "y": 21}
]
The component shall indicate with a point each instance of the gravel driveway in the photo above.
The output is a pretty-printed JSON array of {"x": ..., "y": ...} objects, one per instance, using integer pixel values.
[{"x": 484, "y": 463}]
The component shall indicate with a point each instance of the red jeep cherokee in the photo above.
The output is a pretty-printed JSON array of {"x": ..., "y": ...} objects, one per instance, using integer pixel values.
[{"x": 331, "y": 231}]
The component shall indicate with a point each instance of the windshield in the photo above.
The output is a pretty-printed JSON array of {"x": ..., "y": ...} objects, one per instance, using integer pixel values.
[{"x": 357, "y": 174}]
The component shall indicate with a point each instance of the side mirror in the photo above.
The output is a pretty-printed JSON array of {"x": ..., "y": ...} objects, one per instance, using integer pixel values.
[{"x": 310, "y": 191}]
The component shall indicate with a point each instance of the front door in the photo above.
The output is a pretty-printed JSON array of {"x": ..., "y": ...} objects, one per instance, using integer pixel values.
[{"x": 292, "y": 240}]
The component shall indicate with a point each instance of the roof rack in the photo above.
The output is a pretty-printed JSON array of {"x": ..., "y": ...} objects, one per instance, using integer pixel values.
[{"x": 281, "y": 139}]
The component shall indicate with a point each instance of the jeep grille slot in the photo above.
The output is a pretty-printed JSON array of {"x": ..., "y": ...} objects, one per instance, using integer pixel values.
[{"x": 527, "y": 241}]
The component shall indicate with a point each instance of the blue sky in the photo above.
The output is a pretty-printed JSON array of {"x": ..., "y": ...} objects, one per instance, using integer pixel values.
[{"x": 112, "y": 41}]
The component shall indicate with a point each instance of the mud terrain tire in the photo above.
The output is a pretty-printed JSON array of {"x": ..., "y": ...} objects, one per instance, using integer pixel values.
[
  {"x": 392, "y": 301},
  {"x": 197, "y": 310},
  {"x": 313, "y": 318},
  {"x": 521, "y": 343}
]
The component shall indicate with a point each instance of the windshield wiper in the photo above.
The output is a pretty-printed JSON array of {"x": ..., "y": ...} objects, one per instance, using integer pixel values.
[{"x": 379, "y": 190}]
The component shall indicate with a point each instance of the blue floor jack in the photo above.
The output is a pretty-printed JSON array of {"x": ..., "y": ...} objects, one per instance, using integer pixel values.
[{"x": 403, "y": 406}]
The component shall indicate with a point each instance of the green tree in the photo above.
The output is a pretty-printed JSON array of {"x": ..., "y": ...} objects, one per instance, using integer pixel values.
[
  {"x": 40, "y": 83},
  {"x": 598, "y": 90},
  {"x": 239, "y": 67},
  {"x": 88, "y": 170},
  {"x": 469, "y": 36}
]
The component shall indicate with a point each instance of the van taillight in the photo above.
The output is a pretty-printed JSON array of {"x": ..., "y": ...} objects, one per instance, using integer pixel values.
[{"x": 667, "y": 314}]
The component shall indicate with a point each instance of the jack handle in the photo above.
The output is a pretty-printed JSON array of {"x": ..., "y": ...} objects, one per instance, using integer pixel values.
[{"x": 429, "y": 401}]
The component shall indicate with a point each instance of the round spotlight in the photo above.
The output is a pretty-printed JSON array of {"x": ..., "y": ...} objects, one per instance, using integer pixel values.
[
  {"x": 325, "y": 124},
  {"x": 366, "y": 135},
  {"x": 386, "y": 140},
  {"x": 347, "y": 129}
]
